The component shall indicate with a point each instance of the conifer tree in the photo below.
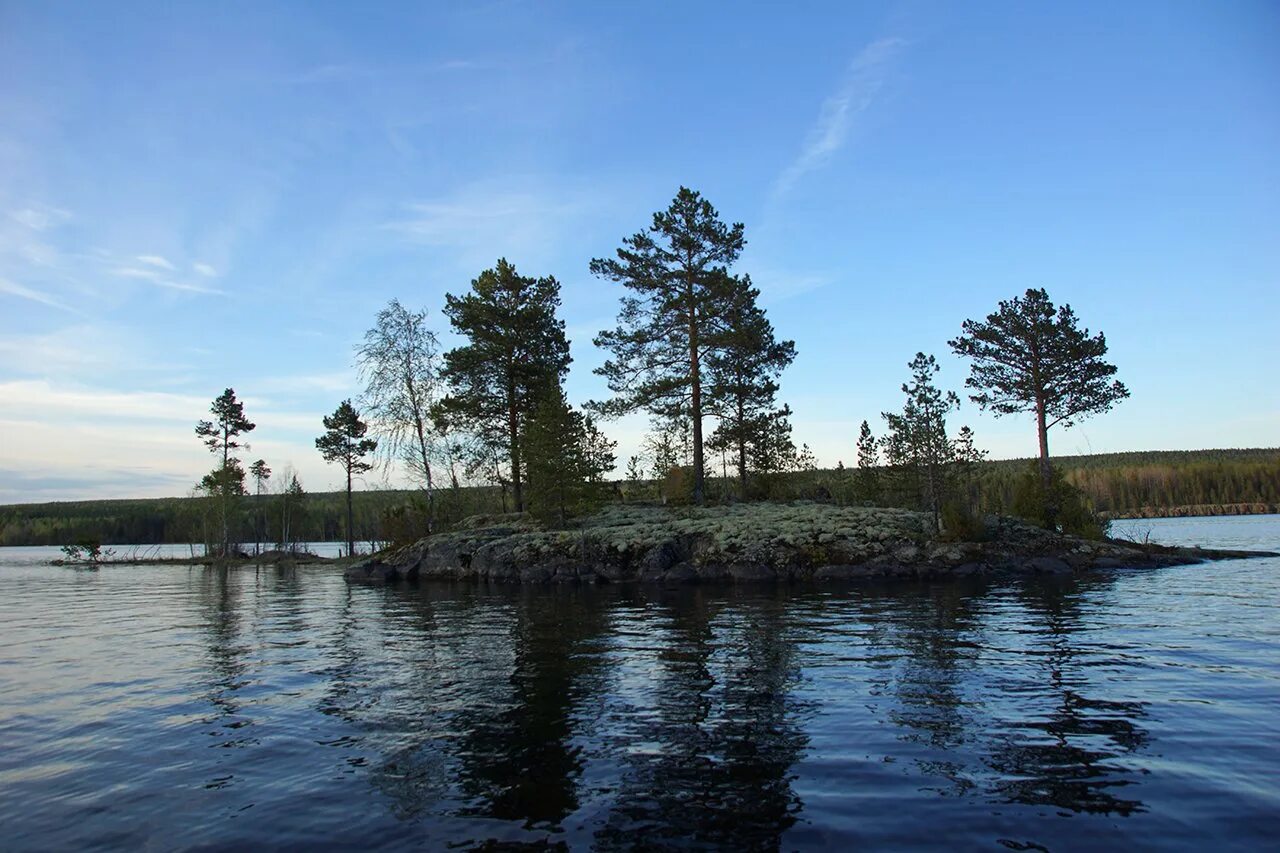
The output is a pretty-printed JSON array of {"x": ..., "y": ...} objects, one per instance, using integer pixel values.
[
  {"x": 261, "y": 473},
  {"x": 566, "y": 456},
  {"x": 221, "y": 435},
  {"x": 516, "y": 352},
  {"x": 868, "y": 464},
  {"x": 674, "y": 316},
  {"x": 1030, "y": 356},
  {"x": 343, "y": 442},
  {"x": 742, "y": 378},
  {"x": 916, "y": 443}
]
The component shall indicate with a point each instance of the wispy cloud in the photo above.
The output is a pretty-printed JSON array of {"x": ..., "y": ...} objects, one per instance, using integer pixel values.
[
  {"x": 39, "y": 218},
  {"x": 862, "y": 82},
  {"x": 482, "y": 222},
  {"x": 204, "y": 270},
  {"x": 156, "y": 261},
  {"x": 14, "y": 289},
  {"x": 155, "y": 276}
]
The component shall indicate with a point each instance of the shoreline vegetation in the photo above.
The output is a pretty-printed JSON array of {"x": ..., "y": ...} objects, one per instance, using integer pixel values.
[
  {"x": 759, "y": 542},
  {"x": 137, "y": 557},
  {"x": 1154, "y": 484}
]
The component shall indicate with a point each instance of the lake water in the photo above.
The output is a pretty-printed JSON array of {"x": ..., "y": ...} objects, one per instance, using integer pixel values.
[{"x": 177, "y": 707}]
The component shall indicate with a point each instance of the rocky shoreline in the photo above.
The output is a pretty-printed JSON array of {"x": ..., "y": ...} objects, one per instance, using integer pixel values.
[{"x": 751, "y": 543}]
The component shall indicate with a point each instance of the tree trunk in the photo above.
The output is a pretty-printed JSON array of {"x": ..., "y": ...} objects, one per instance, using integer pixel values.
[
  {"x": 426, "y": 462},
  {"x": 513, "y": 434},
  {"x": 1046, "y": 471},
  {"x": 226, "y": 488},
  {"x": 695, "y": 373},
  {"x": 351, "y": 540}
]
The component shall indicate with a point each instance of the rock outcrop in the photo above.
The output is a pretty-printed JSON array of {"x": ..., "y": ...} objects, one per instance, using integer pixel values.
[{"x": 749, "y": 543}]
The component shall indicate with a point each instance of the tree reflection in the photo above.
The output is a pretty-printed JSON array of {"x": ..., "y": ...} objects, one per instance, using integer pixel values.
[
  {"x": 1069, "y": 757},
  {"x": 517, "y": 757},
  {"x": 722, "y": 736},
  {"x": 481, "y": 715},
  {"x": 225, "y": 649},
  {"x": 937, "y": 634}
]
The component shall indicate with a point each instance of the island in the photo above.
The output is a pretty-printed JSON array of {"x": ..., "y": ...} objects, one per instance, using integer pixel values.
[{"x": 762, "y": 542}]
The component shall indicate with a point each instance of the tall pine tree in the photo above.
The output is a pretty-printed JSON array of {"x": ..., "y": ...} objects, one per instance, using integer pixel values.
[
  {"x": 222, "y": 436},
  {"x": 516, "y": 353},
  {"x": 674, "y": 316},
  {"x": 1030, "y": 356},
  {"x": 343, "y": 442}
]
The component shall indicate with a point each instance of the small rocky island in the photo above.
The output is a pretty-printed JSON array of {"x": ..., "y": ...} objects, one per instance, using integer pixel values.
[{"x": 751, "y": 542}]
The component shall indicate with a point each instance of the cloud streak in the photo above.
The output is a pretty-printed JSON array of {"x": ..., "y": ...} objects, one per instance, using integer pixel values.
[
  {"x": 15, "y": 289},
  {"x": 828, "y": 134},
  {"x": 159, "y": 279},
  {"x": 156, "y": 261}
]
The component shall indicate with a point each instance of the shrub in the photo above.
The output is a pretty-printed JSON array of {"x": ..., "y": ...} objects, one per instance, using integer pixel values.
[{"x": 1076, "y": 513}]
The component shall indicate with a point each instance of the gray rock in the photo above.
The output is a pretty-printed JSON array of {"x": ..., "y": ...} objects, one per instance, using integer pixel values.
[
  {"x": 966, "y": 569},
  {"x": 661, "y": 557},
  {"x": 751, "y": 573},
  {"x": 1047, "y": 566},
  {"x": 842, "y": 573},
  {"x": 681, "y": 573},
  {"x": 535, "y": 574},
  {"x": 1110, "y": 563}
]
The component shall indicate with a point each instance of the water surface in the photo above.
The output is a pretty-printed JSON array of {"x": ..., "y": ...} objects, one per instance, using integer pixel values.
[{"x": 187, "y": 707}]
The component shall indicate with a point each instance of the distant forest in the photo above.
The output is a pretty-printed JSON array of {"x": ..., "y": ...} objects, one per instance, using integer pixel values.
[{"x": 1120, "y": 485}]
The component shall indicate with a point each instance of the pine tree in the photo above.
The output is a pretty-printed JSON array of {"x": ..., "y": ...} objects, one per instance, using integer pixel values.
[
  {"x": 742, "y": 378},
  {"x": 916, "y": 444},
  {"x": 261, "y": 473},
  {"x": 516, "y": 351},
  {"x": 868, "y": 464},
  {"x": 221, "y": 436},
  {"x": 1029, "y": 356},
  {"x": 343, "y": 442},
  {"x": 674, "y": 317}
]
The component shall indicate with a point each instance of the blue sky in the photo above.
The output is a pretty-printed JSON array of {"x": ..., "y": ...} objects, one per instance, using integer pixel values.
[{"x": 192, "y": 198}]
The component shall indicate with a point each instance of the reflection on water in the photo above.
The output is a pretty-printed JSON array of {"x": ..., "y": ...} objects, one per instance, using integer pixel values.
[{"x": 282, "y": 707}]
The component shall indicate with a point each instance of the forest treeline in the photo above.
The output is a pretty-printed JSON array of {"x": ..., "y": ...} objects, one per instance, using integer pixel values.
[{"x": 1143, "y": 484}]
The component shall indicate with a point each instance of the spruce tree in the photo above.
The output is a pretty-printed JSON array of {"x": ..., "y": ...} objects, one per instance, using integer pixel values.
[
  {"x": 916, "y": 443},
  {"x": 674, "y": 316},
  {"x": 1030, "y": 356},
  {"x": 742, "y": 378},
  {"x": 516, "y": 353},
  {"x": 556, "y": 456},
  {"x": 221, "y": 435},
  {"x": 343, "y": 442}
]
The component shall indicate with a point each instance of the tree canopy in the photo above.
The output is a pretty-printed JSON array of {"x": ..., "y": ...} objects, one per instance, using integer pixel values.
[
  {"x": 399, "y": 363},
  {"x": 676, "y": 313},
  {"x": 1030, "y": 356},
  {"x": 343, "y": 442},
  {"x": 516, "y": 351},
  {"x": 743, "y": 376},
  {"x": 221, "y": 435}
]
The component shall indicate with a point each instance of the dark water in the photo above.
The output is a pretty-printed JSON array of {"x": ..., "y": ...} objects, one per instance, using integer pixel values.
[{"x": 174, "y": 707}]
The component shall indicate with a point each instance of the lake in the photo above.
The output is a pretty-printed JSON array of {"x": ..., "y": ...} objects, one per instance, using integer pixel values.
[{"x": 178, "y": 707}]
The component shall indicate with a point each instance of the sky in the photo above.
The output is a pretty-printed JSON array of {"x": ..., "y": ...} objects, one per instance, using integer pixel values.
[{"x": 202, "y": 196}]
